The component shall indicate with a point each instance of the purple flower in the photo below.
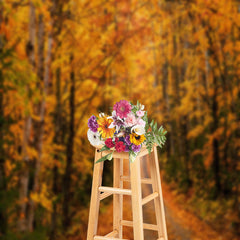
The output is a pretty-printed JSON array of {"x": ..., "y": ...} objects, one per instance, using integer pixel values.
[
  {"x": 117, "y": 121},
  {"x": 126, "y": 148},
  {"x": 136, "y": 148},
  {"x": 92, "y": 123},
  {"x": 127, "y": 140}
]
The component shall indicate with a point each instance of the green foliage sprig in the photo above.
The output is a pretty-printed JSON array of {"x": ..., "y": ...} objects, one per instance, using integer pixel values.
[{"x": 156, "y": 135}]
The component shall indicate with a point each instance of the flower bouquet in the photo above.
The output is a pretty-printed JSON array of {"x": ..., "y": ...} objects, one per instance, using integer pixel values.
[{"x": 126, "y": 130}]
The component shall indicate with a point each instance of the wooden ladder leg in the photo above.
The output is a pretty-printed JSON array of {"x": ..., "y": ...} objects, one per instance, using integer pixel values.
[
  {"x": 158, "y": 202},
  {"x": 95, "y": 198},
  {"x": 117, "y": 198},
  {"x": 135, "y": 177}
]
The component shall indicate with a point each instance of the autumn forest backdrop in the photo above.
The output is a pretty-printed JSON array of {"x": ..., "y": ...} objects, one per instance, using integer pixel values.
[{"x": 63, "y": 60}]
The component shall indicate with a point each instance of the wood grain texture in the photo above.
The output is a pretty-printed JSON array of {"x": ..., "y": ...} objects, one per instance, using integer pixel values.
[
  {"x": 136, "y": 199},
  {"x": 117, "y": 198},
  {"x": 95, "y": 198},
  {"x": 158, "y": 202}
]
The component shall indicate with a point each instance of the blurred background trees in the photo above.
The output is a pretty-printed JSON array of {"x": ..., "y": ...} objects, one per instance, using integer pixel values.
[{"x": 62, "y": 61}]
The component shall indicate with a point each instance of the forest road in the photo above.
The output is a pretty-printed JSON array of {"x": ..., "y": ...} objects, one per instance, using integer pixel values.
[{"x": 175, "y": 230}]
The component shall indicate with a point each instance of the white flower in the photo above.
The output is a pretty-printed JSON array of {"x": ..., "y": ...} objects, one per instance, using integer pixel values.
[
  {"x": 120, "y": 134},
  {"x": 101, "y": 115},
  {"x": 117, "y": 121},
  {"x": 141, "y": 107},
  {"x": 138, "y": 129},
  {"x": 94, "y": 138},
  {"x": 114, "y": 115}
]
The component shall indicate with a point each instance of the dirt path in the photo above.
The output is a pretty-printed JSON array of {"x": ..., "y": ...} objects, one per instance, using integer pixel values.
[
  {"x": 181, "y": 224},
  {"x": 175, "y": 230}
]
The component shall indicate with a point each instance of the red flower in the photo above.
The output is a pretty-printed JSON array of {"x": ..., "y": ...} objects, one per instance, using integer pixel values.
[
  {"x": 120, "y": 147},
  {"x": 109, "y": 143}
]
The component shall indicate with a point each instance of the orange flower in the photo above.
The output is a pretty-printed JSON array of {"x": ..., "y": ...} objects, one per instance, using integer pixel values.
[{"x": 104, "y": 129}]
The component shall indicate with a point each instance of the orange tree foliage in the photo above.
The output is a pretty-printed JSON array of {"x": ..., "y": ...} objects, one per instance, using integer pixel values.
[{"x": 63, "y": 60}]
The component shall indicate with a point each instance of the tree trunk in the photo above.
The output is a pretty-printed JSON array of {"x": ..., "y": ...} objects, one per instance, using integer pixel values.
[
  {"x": 24, "y": 177},
  {"x": 57, "y": 141},
  {"x": 3, "y": 181},
  {"x": 165, "y": 83},
  {"x": 57, "y": 19},
  {"x": 214, "y": 109},
  {"x": 186, "y": 151},
  {"x": 43, "y": 75},
  {"x": 37, "y": 124},
  {"x": 167, "y": 109},
  {"x": 176, "y": 95},
  {"x": 69, "y": 152},
  {"x": 215, "y": 143}
]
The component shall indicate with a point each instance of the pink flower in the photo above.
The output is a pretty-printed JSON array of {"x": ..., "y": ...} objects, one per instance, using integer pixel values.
[
  {"x": 130, "y": 120},
  {"x": 141, "y": 122},
  {"x": 122, "y": 108},
  {"x": 140, "y": 113}
]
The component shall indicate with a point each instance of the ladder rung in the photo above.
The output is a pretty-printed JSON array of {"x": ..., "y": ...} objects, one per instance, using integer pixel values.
[
  {"x": 145, "y": 225},
  {"x": 143, "y": 180},
  {"x": 104, "y": 195},
  {"x": 112, "y": 234},
  {"x": 149, "y": 198},
  {"x": 115, "y": 190},
  {"x": 107, "y": 238}
]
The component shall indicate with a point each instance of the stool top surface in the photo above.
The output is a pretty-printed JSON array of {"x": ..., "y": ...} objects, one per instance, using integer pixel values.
[{"x": 124, "y": 155}]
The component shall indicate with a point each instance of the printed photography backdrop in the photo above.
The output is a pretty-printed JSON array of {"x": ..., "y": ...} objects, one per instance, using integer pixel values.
[{"x": 62, "y": 61}]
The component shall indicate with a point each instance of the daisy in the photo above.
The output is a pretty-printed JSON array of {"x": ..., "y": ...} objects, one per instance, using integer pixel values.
[
  {"x": 94, "y": 138},
  {"x": 104, "y": 129}
]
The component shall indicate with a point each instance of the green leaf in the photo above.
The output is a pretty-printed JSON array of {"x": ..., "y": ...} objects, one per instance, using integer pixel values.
[
  {"x": 107, "y": 157},
  {"x": 155, "y": 127},
  {"x": 151, "y": 124},
  {"x": 145, "y": 118},
  {"x": 132, "y": 156},
  {"x": 160, "y": 129},
  {"x": 104, "y": 148}
]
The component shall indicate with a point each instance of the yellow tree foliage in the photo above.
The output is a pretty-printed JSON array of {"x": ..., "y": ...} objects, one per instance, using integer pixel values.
[{"x": 64, "y": 60}]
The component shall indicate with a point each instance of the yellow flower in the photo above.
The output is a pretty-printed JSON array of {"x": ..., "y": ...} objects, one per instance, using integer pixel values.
[
  {"x": 137, "y": 139},
  {"x": 104, "y": 129}
]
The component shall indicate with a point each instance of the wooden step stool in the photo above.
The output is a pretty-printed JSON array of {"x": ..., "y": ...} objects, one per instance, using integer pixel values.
[{"x": 100, "y": 192}]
